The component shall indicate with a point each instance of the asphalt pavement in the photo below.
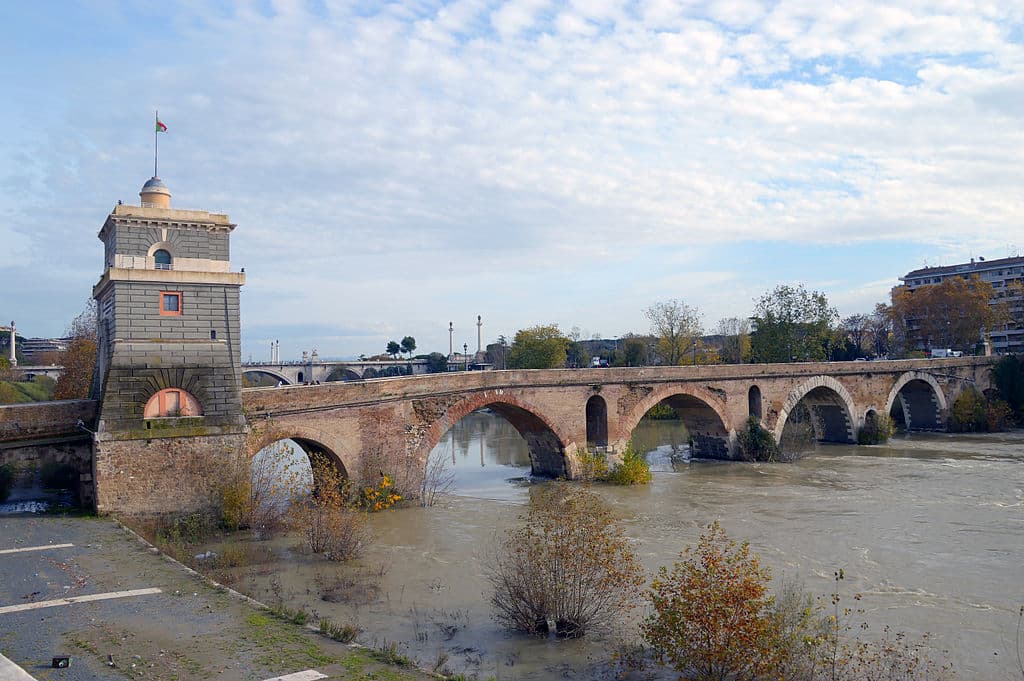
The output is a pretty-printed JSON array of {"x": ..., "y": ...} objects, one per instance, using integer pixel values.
[{"x": 88, "y": 589}]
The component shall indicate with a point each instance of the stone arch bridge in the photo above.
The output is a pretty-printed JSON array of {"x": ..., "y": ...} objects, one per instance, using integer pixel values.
[
  {"x": 176, "y": 465},
  {"x": 373, "y": 425},
  {"x": 321, "y": 371}
]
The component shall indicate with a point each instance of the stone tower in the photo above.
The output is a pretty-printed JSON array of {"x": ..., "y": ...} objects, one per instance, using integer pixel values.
[{"x": 168, "y": 372}]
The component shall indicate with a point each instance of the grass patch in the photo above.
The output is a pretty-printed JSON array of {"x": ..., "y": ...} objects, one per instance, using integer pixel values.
[
  {"x": 343, "y": 633},
  {"x": 388, "y": 653},
  {"x": 280, "y": 646}
]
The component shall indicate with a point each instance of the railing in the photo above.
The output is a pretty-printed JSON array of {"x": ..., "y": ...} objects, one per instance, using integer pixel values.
[{"x": 164, "y": 266}]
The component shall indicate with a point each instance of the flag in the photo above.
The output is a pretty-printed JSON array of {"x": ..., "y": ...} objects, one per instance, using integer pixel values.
[{"x": 160, "y": 127}]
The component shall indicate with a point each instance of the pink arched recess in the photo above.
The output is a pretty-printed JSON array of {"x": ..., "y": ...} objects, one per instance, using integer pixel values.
[{"x": 171, "y": 402}]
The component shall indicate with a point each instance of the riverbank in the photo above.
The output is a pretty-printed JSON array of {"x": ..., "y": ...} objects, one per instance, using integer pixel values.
[{"x": 86, "y": 588}]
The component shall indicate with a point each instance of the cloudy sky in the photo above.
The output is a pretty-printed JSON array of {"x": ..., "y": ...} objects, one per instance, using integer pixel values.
[{"x": 396, "y": 166}]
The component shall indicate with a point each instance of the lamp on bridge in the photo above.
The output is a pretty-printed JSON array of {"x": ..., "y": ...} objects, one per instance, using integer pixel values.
[{"x": 465, "y": 356}]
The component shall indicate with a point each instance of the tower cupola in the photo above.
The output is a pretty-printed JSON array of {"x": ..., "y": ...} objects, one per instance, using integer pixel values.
[{"x": 155, "y": 193}]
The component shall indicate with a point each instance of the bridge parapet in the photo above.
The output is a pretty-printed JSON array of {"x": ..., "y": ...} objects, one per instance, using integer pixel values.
[
  {"x": 293, "y": 399},
  {"x": 20, "y": 423}
]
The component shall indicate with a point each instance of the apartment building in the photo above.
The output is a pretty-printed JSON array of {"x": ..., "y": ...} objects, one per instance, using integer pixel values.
[{"x": 1000, "y": 274}]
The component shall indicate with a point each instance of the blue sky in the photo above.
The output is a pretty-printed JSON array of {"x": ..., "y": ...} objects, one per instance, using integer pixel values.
[{"x": 396, "y": 166}]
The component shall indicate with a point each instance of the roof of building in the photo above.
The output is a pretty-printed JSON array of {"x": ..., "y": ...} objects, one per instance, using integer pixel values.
[
  {"x": 965, "y": 267},
  {"x": 154, "y": 182}
]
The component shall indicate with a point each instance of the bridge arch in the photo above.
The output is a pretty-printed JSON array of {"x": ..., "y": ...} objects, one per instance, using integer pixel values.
[
  {"x": 702, "y": 412},
  {"x": 343, "y": 373},
  {"x": 597, "y": 421},
  {"x": 547, "y": 443},
  {"x": 917, "y": 401},
  {"x": 277, "y": 376},
  {"x": 832, "y": 409},
  {"x": 312, "y": 441}
]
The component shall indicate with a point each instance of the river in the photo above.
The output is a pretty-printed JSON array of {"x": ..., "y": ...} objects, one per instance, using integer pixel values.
[{"x": 928, "y": 528}]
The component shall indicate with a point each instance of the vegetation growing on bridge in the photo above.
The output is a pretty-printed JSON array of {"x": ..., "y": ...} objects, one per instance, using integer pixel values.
[{"x": 756, "y": 443}]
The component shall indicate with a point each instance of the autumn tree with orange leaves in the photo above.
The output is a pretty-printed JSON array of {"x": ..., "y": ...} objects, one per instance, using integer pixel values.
[
  {"x": 712, "y": 613},
  {"x": 79, "y": 359}
]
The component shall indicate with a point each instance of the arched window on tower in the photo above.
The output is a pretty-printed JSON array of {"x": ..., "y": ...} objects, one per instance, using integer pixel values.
[
  {"x": 162, "y": 260},
  {"x": 172, "y": 402}
]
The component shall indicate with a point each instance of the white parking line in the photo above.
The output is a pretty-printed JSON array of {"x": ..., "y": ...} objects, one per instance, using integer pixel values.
[
  {"x": 308, "y": 675},
  {"x": 12, "y": 672},
  {"x": 35, "y": 548},
  {"x": 77, "y": 599}
]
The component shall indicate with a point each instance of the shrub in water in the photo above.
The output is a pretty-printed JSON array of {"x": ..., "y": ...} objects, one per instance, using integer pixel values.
[
  {"x": 633, "y": 470},
  {"x": 567, "y": 564},
  {"x": 712, "y": 613},
  {"x": 756, "y": 443},
  {"x": 877, "y": 430},
  {"x": 969, "y": 412}
]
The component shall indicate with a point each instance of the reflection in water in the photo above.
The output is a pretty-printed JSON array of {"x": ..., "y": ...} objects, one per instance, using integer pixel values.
[
  {"x": 486, "y": 452},
  {"x": 928, "y": 528}
]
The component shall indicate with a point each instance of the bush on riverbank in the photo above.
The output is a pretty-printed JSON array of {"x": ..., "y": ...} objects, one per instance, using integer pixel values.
[
  {"x": 567, "y": 566},
  {"x": 974, "y": 413}
]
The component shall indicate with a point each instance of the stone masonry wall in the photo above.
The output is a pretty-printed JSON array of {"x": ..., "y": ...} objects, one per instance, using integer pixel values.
[
  {"x": 187, "y": 241},
  {"x": 165, "y": 476}
]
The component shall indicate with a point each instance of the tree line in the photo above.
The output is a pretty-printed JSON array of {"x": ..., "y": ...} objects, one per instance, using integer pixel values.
[{"x": 788, "y": 324}]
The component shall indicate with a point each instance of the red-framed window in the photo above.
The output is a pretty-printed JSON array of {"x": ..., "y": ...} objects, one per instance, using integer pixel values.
[{"x": 170, "y": 303}]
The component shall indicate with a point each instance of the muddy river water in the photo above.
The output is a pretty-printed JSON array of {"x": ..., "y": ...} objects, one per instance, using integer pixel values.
[{"x": 929, "y": 529}]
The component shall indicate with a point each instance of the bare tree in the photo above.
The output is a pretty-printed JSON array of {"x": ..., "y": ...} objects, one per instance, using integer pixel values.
[
  {"x": 735, "y": 333},
  {"x": 677, "y": 327},
  {"x": 438, "y": 479}
]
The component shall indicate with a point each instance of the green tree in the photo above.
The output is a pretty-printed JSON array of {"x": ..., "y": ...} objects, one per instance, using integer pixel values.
[
  {"x": 677, "y": 327},
  {"x": 791, "y": 323},
  {"x": 437, "y": 363},
  {"x": 712, "y": 613},
  {"x": 1008, "y": 377},
  {"x": 632, "y": 351},
  {"x": 393, "y": 349},
  {"x": 408, "y": 345},
  {"x": 538, "y": 347}
]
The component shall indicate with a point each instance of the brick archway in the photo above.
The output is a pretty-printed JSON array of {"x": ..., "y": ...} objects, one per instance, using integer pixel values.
[
  {"x": 918, "y": 407},
  {"x": 549, "y": 446},
  {"x": 835, "y": 393},
  {"x": 310, "y": 440},
  {"x": 702, "y": 411}
]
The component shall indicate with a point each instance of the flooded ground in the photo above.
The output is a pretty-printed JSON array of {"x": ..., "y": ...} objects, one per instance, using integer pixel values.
[{"x": 929, "y": 528}]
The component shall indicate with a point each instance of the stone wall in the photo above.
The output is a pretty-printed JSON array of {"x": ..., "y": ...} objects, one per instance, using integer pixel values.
[
  {"x": 24, "y": 423},
  {"x": 187, "y": 241},
  {"x": 167, "y": 476}
]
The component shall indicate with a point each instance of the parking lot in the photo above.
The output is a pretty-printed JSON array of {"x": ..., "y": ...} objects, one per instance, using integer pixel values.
[{"x": 87, "y": 589}]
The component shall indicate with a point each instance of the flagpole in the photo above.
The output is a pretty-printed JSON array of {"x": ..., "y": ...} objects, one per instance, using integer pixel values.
[{"x": 156, "y": 137}]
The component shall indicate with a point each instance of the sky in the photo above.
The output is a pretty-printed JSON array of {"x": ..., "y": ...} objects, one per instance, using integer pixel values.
[{"x": 393, "y": 167}]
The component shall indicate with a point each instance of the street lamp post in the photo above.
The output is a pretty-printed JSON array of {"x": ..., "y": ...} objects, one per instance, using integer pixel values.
[{"x": 465, "y": 356}]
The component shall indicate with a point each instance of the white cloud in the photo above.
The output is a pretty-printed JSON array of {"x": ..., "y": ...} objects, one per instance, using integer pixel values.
[{"x": 449, "y": 152}]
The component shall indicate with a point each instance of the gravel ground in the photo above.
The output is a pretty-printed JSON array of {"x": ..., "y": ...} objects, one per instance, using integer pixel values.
[{"x": 188, "y": 631}]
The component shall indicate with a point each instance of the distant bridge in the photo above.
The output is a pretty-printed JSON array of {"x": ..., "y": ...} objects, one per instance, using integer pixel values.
[
  {"x": 30, "y": 372},
  {"x": 306, "y": 372}
]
